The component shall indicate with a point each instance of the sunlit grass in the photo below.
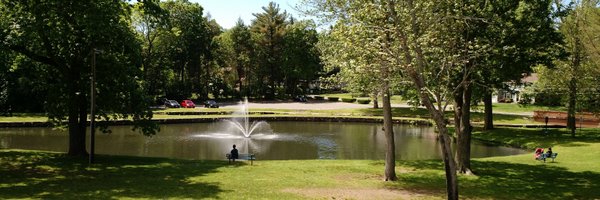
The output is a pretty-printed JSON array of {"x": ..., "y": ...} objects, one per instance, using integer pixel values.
[{"x": 574, "y": 175}]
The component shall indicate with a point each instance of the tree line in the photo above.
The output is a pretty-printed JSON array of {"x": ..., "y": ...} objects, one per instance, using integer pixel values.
[
  {"x": 176, "y": 50},
  {"x": 143, "y": 51}
]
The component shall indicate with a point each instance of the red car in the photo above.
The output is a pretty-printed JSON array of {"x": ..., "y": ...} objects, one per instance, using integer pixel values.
[{"x": 187, "y": 104}]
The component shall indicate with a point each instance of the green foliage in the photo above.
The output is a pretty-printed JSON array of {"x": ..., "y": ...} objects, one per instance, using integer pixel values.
[
  {"x": 333, "y": 98},
  {"x": 269, "y": 29},
  {"x": 60, "y": 39},
  {"x": 575, "y": 78},
  {"x": 363, "y": 101},
  {"x": 349, "y": 100}
]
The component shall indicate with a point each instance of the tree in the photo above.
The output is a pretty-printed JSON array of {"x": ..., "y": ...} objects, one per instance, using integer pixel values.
[
  {"x": 352, "y": 48},
  {"x": 577, "y": 74},
  {"x": 496, "y": 53},
  {"x": 243, "y": 53},
  {"x": 423, "y": 42},
  {"x": 151, "y": 22},
  {"x": 511, "y": 56},
  {"x": 62, "y": 36},
  {"x": 185, "y": 46},
  {"x": 301, "y": 62},
  {"x": 269, "y": 28}
]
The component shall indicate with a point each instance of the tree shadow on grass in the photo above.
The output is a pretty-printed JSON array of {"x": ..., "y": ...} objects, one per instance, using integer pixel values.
[
  {"x": 502, "y": 180},
  {"x": 55, "y": 176}
]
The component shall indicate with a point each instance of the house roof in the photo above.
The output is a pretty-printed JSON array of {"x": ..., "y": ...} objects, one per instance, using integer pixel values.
[{"x": 530, "y": 79}]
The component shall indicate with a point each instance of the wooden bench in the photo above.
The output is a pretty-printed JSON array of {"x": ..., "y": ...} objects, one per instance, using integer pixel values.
[
  {"x": 242, "y": 156},
  {"x": 544, "y": 156}
]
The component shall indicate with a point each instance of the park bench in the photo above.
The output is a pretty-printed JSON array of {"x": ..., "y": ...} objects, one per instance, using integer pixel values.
[
  {"x": 545, "y": 156},
  {"x": 242, "y": 156}
]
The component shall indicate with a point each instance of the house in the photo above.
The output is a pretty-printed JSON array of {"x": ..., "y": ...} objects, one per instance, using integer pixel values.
[{"x": 513, "y": 89}]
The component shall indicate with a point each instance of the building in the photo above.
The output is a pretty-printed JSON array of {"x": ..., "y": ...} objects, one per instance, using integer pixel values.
[{"x": 513, "y": 91}]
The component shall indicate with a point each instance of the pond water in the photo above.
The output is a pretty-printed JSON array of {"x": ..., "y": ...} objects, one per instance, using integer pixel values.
[{"x": 284, "y": 140}]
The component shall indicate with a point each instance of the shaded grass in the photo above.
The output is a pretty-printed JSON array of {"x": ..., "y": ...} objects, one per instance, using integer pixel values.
[
  {"x": 35, "y": 174},
  {"x": 531, "y": 138},
  {"x": 31, "y": 174}
]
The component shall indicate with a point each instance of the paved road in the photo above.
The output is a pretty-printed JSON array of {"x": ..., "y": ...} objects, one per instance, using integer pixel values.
[
  {"x": 311, "y": 105},
  {"x": 328, "y": 105}
]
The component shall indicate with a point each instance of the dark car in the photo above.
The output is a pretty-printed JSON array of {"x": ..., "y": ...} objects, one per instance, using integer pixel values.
[
  {"x": 172, "y": 104},
  {"x": 211, "y": 104},
  {"x": 188, "y": 104}
]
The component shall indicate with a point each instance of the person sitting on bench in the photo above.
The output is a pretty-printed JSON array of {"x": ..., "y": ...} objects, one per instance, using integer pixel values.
[
  {"x": 234, "y": 153},
  {"x": 549, "y": 152},
  {"x": 538, "y": 153}
]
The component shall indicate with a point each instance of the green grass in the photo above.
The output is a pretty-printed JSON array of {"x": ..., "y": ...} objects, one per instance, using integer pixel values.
[
  {"x": 517, "y": 108},
  {"x": 24, "y": 117},
  {"x": 395, "y": 99},
  {"x": 574, "y": 175}
]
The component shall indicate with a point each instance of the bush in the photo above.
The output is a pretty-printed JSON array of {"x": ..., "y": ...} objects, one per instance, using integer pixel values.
[
  {"x": 364, "y": 101},
  {"x": 348, "y": 100},
  {"x": 333, "y": 98}
]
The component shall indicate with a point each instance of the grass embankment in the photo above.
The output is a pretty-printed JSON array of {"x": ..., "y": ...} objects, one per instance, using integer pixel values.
[
  {"x": 397, "y": 112},
  {"x": 574, "y": 175}
]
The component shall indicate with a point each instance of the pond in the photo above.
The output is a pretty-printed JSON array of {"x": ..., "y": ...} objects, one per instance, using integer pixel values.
[{"x": 284, "y": 140}]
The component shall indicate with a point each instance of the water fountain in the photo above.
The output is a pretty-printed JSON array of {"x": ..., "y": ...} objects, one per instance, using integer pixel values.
[{"x": 242, "y": 123}]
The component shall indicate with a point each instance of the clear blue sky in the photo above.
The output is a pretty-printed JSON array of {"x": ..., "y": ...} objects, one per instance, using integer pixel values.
[{"x": 226, "y": 12}]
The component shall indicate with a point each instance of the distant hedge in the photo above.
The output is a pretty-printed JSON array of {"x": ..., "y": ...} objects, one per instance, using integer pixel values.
[
  {"x": 333, "y": 98},
  {"x": 364, "y": 101},
  {"x": 349, "y": 100},
  {"x": 318, "y": 97}
]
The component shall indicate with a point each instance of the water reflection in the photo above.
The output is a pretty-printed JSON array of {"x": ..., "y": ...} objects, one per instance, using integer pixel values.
[{"x": 287, "y": 140}]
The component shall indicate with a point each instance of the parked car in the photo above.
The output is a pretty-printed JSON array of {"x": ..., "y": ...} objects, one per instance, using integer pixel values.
[
  {"x": 211, "y": 104},
  {"x": 188, "y": 104},
  {"x": 172, "y": 104}
]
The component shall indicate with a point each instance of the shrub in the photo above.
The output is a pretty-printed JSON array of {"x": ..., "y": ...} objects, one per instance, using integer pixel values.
[
  {"x": 349, "y": 100},
  {"x": 333, "y": 98},
  {"x": 364, "y": 101},
  {"x": 317, "y": 97}
]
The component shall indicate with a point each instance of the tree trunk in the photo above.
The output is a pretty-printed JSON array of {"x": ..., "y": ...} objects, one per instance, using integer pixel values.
[
  {"x": 390, "y": 154},
  {"x": 463, "y": 153},
  {"x": 449, "y": 165},
  {"x": 76, "y": 136},
  {"x": 571, "y": 124},
  {"x": 444, "y": 141},
  {"x": 444, "y": 138},
  {"x": 376, "y": 102},
  {"x": 488, "y": 112},
  {"x": 458, "y": 103}
]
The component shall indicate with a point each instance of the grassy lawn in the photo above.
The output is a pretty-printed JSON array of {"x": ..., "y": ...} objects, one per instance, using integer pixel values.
[
  {"x": 517, "y": 108},
  {"x": 574, "y": 175}
]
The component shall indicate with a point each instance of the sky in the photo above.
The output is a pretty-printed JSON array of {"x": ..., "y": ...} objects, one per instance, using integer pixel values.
[{"x": 227, "y": 12}]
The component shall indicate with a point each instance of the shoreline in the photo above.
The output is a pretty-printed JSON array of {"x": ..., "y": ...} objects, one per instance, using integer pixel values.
[{"x": 408, "y": 121}]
